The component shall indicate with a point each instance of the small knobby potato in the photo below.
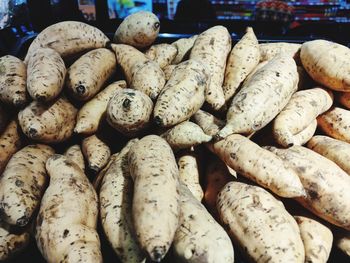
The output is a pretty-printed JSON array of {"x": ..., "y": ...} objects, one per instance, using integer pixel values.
[
  {"x": 74, "y": 153},
  {"x": 209, "y": 123},
  {"x": 163, "y": 54},
  {"x": 96, "y": 152}
]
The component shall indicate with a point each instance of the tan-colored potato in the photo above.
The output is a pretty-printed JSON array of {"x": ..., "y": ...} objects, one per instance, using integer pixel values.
[
  {"x": 183, "y": 46},
  {"x": 163, "y": 54},
  {"x": 336, "y": 123},
  {"x": 4, "y": 119},
  {"x": 69, "y": 38},
  {"x": 185, "y": 135},
  {"x": 212, "y": 48},
  {"x": 13, "y": 81},
  {"x": 183, "y": 94},
  {"x": 327, "y": 63},
  {"x": 87, "y": 75},
  {"x": 258, "y": 165},
  {"x": 116, "y": 194},
  {"x": 96, "y": 183},
  {"x": 96, "y": 152},
  {"x": 48, "y": 123},
  {"x": 334, "y": 150},
  {"x": 168, "y": 70},
  {"x": 91, "y": 114},
  {"x": 317, "y": 239},
  {"x": 139, "y": 30},
  {"x": 262, "y": 98},
  {"x": 260, "y": 224},
  {"x": 343, "y": 243},
  {"x": 199, "y": 237},
  {"x": 216, "y": 177},
  {"x": 155, "y": 206},
  {"x": 10, "y": 142},
  {"x": 269, "y": 50},
  {"x": 23, "y": 183},
  {"x": 251, "y": 74},
  {"x": 74, "y": 153},
  {"x": 244, "y": 57},
  {"x": 327, "y": 186},
  {"x": 11, "y": 242},
  {"x": 189, "y": 173},
  {"x": 129, "y": 111},
  {"x": 67, "y": 219},
  {"x": 305, "y": 135},
  {"x": 140, "y": 72},
  {"x": 46, "y": 72},
  {"x": 209, "y": 123},
  {"x": 344, "y": 99},
  {"x": 302, "y": 109}
]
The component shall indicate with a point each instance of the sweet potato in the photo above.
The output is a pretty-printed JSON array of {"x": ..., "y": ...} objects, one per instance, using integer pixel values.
[
  {"x": 251, "y": 74},
  {"x": 260, "y": 224},
  {"x": 244, "y": 57},
  {"x": 302, "y": 109},
  {"x": 344, "y": 99},
  {"x": 96, "y": 183},
  {"x": 327, "y": 63},
  {"x": 87, "y": 75},
  {"x": 46, "y": 72},
  {"x": 336, "y": 123},
  {"x": 183, "y": 46},
  {"x": 262, "y": 97},
  {"x": 116, "y": 194},
  {"x": 67, "y": 219},
  {"x": 212, "y": 48},
  {"x": 343, "y": 243},
  {"x": 163, "y": 54},
  {"x": 317, "y": 239},
  {"x": 74, "y": 153},
  {"x": 209, "y": 123},
  {"x": 327, "y": 186},
  {"x": 258, "y": 165},
  {"x": 183, "y": 94},
  {"x": 185, "y": 135},
  {"x": 48, "y": 123},
  {"x": 305, "y": 135},
  {"x": 139, "y": 30},
  {"x": 155, "y": 205},
  {"x": 129, "y": 111},
  {"x": 140, "y": 72},
  {"x": 269, "y": 50},
  {"x": 199, "y": 237},
  {"x": 23, "y": 183},
  {"x": 334, "y": 150},
  {"x": 13, "y": 81},
  {"x": 91, "y": 114},
  {"x": 168, "y": 70},
  {"x": 96, "y": 152}
]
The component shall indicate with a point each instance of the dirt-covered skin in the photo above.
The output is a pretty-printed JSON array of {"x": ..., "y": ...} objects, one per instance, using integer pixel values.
[
  {"x": 96, "y": 152},
  {"x": 69, "y": 38},
  {"x": 302, "y": 109},
  {"x": 336, "y": 123},
  {"x": 326, "y": 184},
  {"x": 260, "y": 224},
  {"x": 258, "y": 165},
  {"x": 46, "y": 73},
  {"x": 317, "y": 239},
  {"x": 185, "y": 135},
  {"x": 344, "y": 99},
  {"x": 66, "y": 223},
  {"x": 209, "y": 123},
  {"x": 212, "y": 48},
  {"x": 23, "y": 183},
  {"x": 129, "y": 111},
  {"x": 262, "y": 97},
  {"x": 91, "y": 114},
  {"x": 243, "y": 58},
  {"x": 183, "y": 94},
  {"x": 13, "y": 81},
  {"x": 334, "y": 150},
  {"x": 199, "y": 237},
  {"x": 269, "y": 50},
  {"x": 74, "y": 153},
  {"x": 342, "y": 241},
  {"x": 48, "y": 123},
  {"x": 251, "y": 74},
  {"x": 140, "y": 72},
  {"x": 139, "y": 30},
  {"x": 87, "y": 75},
  {"x": 10, "y": 142},
  {"x": 116, "y": 193},
  {"x": 163, "y": 54},
  {"x": 183, "y": 46},
  {"x": 155, "y": 206},
  {"x": 11, "y": 243},
  {"x": 328, "y": 63}
]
